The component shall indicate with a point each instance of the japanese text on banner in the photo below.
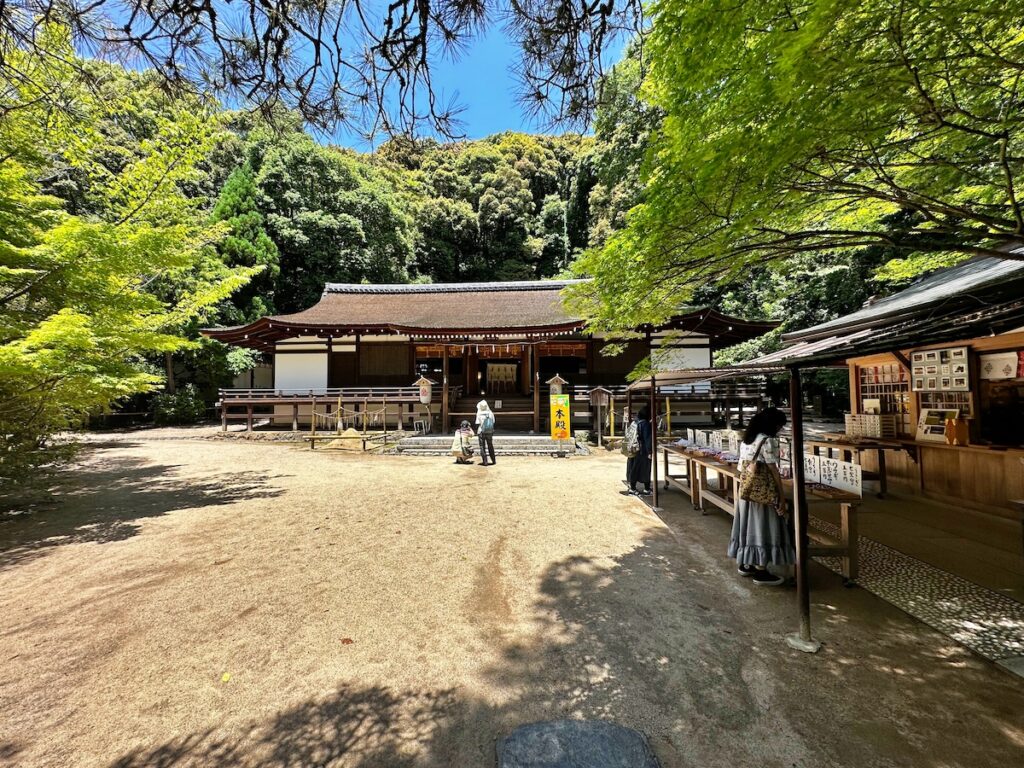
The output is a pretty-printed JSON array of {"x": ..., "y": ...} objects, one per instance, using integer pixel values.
[{"x": 559, "y": 417}]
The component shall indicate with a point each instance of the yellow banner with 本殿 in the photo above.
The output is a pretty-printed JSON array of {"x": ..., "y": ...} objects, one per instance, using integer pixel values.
[{"x": 560, "y": 417}]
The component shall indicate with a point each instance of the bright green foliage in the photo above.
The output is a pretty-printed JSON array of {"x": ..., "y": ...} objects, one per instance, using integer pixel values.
[
  {"x": 77, "y": 311},
  {"x": 822, "y": 127},
  {"x": 247, "y": 244}
]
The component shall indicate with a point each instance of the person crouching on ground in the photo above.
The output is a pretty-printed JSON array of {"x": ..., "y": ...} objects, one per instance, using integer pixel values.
[
  {"x": 640, "y": 470},
  {"x": 760, "y": 531},
  {"x": 485, "y": 431},
  {"x": 462, "y": 445}
]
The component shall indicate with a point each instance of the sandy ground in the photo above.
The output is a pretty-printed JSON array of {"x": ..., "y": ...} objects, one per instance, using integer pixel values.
[{"x": 196, "y": 602}]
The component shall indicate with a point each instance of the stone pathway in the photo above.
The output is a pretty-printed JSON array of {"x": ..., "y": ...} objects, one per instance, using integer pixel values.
[{"x": 990, "y": 624}]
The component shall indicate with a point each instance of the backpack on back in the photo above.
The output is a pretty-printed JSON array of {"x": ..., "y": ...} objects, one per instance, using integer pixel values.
[
  {"x": 487, "y": 425},
  {"x": 631, "y": 441}
]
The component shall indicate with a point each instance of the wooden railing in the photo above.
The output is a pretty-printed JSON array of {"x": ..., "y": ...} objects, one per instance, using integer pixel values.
[{"x": 349, "y": 394}]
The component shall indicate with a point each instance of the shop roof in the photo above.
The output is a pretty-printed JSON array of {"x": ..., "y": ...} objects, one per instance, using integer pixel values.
[
  {"x": 946, "y": 289},
  {"x": 980, "y": 297}
]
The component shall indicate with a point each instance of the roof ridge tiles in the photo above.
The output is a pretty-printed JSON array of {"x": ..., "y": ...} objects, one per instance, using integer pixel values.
[{"x": 499, "y": 286}]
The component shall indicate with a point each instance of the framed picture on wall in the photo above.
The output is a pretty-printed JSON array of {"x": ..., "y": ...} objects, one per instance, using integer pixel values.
[
  {"x": 945, "y": 383},
  {"x": 959, "y": 369},
  {"x": 931, "y": 357},
  {"x": 917, "y": 357},
  {"x": 929, "y": 384},
  {"x": 931, "y": 426},
  {"x": 918, "y": 383},
  {"x": 932, "y": 370},
  {"x": 959, "y": 383}
]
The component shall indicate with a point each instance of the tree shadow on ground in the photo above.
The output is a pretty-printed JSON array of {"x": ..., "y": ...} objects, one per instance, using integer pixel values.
[
  {"x": 657, "y": 640},
  {"x": 359, "y": 727},
  {"x": 102, "y": 502}
]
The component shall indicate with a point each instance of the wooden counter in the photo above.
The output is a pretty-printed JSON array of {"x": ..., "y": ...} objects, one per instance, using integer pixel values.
[
  {"x": 983, "y": 478},
  {"x": 726, "y": 497}
]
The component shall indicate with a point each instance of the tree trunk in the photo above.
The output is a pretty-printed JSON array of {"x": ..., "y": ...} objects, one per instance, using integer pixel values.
[{"x": 169, "y": 366}]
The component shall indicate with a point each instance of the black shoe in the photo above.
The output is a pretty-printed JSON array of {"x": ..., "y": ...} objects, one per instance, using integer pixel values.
[
  {"x": 746, "y": 570},
  {"x": 766, "y": 579},
  {"x": 645, "y": 492}
]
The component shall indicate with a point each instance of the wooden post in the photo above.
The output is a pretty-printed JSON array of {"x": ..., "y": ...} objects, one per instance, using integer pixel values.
[
  {"x": 385, "y": 400},
  {"x": 850, "y": 537},
  {"x": 536, "y": 392},
  {"x": 444, "y": 390},
  {"x": 223, "y": 416},
  {"x": 654, "y": 438},
  {"x": 611, "y": 418},
  {"x": 337, "y": 423},
  {"x": 295, "y": 417},
  {"x": 802, "y": 640},
  {"x": 365, "y": 414},
  {"x": 248, "y": 418},
  {"x": 312, "y": 419},
  {"x": 600, "y": 424},
  {"x": 668, "y": 415}
]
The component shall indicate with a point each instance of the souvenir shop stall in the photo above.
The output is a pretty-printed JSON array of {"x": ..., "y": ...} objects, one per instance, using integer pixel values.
[{"x": 937, "y": 406}]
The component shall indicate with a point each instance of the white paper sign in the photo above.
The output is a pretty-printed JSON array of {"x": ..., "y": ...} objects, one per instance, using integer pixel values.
[
  {"x": 841, "y": 475},
  {"x": 734, "y": 443},
  {"x": 716, "y": 441},
  {"x": 812, "y": 468}
]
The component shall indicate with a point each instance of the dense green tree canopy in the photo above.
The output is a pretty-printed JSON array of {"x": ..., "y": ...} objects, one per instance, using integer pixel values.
[{"x": 819, "y": 128}]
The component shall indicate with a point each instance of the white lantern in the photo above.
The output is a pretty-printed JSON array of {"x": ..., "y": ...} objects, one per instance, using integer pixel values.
[{"x": 426, "y": 389}]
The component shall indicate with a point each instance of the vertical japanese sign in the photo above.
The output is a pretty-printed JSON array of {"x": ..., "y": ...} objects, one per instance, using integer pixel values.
[{"x": 559, "y": 417}]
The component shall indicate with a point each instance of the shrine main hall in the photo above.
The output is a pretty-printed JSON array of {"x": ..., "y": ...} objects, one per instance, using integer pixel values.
[{"x": 502, "y": 340}]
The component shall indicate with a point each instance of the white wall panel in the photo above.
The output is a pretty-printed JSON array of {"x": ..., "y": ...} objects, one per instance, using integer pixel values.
[
  {"x": 300, "y": 371},
  {"x": 674, "y": 358}
]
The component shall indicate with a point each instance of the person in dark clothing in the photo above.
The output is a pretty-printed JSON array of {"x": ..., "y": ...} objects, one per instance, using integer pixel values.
[{"x": 640, "y": 470}]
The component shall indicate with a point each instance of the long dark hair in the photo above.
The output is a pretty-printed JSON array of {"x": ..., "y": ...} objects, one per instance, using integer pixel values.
[
  {"x": 643, "y": 414},
  {"x": 766, "y": 422}
]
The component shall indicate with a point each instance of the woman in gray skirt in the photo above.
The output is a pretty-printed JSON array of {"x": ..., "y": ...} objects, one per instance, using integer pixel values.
[{"x": 760, "y": 534}]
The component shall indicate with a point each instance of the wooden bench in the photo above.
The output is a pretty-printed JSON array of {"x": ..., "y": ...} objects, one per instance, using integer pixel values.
[{"x": 330, "y": 437}]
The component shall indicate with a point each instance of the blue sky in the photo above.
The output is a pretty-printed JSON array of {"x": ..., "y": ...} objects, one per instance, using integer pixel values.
[{"x": 481, "y": 82}]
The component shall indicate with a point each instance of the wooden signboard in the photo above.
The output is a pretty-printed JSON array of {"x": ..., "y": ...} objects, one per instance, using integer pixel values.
[{"x": 559, "y": 417}]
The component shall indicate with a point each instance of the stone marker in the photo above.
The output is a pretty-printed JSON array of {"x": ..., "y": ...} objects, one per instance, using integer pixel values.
[{"x": 575, "y": 744}]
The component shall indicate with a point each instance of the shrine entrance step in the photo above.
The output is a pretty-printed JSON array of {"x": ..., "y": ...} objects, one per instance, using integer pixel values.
[{"x": 504, "y": 445}]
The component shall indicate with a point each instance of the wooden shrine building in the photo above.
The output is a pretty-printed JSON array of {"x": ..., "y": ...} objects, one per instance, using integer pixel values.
[{"x": 500, "y": 340}]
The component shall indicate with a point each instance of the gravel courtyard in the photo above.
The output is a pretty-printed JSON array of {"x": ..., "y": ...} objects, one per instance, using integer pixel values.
[{"x": 196, "y": 602}]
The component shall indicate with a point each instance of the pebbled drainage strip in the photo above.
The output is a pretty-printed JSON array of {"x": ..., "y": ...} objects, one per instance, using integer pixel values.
[
  {"x": 575, "y": 744},
  {"x": 987, "y": 622}
]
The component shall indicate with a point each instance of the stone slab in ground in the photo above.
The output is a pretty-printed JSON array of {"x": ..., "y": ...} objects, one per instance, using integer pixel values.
[{"x": 575, "y": 744}]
